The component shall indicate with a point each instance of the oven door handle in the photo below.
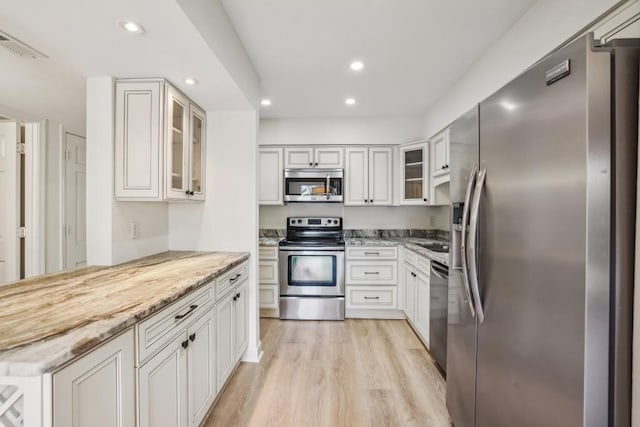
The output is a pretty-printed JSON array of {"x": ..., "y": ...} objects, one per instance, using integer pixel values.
[{"x": 309, "y": 251}]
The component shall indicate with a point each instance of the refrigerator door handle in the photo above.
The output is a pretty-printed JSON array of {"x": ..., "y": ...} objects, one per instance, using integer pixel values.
[
  {"x": 463, "y": 238},
  {"x": 473, "y": 242}
]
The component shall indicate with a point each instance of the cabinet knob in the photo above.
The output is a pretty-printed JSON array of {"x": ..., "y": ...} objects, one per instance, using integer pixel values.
[
  {"x": 185, "y": 344},
  {"x": 424, "y": 200},
  {"x": 192, "y": 337},
  {"x": 370, "y": 200},
  {"x": 316, "y": 164},
  {"x": 311, "y": 164},
  {"x": 366, "y": 201},
  {"x": 186, "y": 192}
]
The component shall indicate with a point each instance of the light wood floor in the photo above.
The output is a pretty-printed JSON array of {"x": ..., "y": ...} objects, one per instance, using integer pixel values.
[{"x": 351, "y": 373}]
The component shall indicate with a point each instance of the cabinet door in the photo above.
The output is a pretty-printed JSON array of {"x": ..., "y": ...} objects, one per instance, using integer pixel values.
[
  {"x": 241, "y": 324},
  {"x": 97, "y": 390},
  {"x": 357, "y": 177},
  {"x": 271, "y": 176},
  {"x": 298, "y": 157},
  {"x": 414, "y": 161},
  {"x": 138, "y": 140},
  {"x": 225, "y": 349},
  {"x": 329, "y": 158},
  {"x": 197, "y": 155},
  {"x": 162, "y": 387},
  {"x": 177, "y": 147},
  {"x": 440, "y": 153},
  {"x": 380, "y": 176},
  {"x": 201, "y": 368},
  {"x": 410, "y": 294},
  {"x": 422, "y": 306}
]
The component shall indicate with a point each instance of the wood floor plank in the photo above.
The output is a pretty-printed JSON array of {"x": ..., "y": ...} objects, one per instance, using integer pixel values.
[{"x": 352, "y": 373}]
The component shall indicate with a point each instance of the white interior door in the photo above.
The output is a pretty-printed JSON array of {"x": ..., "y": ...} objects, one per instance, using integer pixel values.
[
  {"x": 9, "y": 208},
  {"x": 75, "y": 201}
]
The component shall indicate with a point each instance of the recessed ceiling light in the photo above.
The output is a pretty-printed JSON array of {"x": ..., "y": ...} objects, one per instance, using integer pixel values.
[
  {"x": 132, "y": 27},
  {"x": 190, "y": 81},
  {"x": 265, "y": 102},
  {"x": 357, "y": 65},
  {"x": 350, "y": 101}
]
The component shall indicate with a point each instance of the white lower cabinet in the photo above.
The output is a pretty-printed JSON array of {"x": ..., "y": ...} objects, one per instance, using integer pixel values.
[
  {"x": 201, "y": 367},
  {"x": 232, "y": 335},
  {"x": 417, "y": 293},
  {"x": 268, "y": 279},
  {"x": 98, "y": 390},
  {"x": 162, "y": 387}
]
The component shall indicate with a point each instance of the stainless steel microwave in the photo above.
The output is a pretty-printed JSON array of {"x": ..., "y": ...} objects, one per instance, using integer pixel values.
[{"x": 314, "y": 185}]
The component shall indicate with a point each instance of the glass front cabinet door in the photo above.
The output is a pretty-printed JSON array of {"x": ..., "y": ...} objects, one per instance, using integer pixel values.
[
  {"x": 414, "y": 163},
  {"x": 196, "y": 153},
  {"x": 177, "y": 146}
]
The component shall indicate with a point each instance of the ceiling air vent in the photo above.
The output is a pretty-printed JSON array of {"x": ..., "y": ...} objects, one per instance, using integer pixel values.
[{"x": 19, "y": 48}]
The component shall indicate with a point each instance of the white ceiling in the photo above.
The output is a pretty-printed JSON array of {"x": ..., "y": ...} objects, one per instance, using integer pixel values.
[
  {"x": 413, "y": 50},
  {"x": 82, "y": 39}
]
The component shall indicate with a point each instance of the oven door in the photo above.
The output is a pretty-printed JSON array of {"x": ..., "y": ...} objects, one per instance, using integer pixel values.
[
  {"x": 313, "y": 185},
  {"x": 311, "y": 272}
]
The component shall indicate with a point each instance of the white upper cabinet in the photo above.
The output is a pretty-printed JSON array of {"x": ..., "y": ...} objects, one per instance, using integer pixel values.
[
  {"x": 309, "y": 157},
  {"x": 271, "y": 176},
  {"x": 368, "y": 176},
  {"x": 414, "y": 172},
  {"x": 159, "y": 143},
  {"x": 139, "y": 129},
  {"x": 440, "y": 153}
]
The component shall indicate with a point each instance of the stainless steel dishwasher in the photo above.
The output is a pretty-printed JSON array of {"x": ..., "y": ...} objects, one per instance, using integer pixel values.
[{"x": 438, "y": 313}]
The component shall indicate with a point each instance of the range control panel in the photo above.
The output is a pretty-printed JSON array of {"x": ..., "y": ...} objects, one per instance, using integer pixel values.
[{"x": 314, "y": 222}]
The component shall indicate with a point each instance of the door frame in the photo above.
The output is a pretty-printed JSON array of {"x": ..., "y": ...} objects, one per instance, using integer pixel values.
[{"x": 35, "y": 197}]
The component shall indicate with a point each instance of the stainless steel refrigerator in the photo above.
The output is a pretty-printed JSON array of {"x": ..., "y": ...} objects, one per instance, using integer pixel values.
[{"x": 543, "y": 186}]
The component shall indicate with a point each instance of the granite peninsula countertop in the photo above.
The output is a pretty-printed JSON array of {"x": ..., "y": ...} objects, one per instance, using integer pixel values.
[{"x": 49, "y": 320}]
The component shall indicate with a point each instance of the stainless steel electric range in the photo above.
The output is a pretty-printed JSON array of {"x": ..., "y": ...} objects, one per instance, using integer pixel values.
[{"x": 311, "y": 267}]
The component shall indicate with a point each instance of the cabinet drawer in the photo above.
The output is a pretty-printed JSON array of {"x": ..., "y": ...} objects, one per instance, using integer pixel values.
[
  {"x": 268, "y": 253},
  {"x": 372, "y": 252},
  {"x": 232, "y": 277},
  {"x": 268, "y": 272},
  {"x": 372, "y": 273},
  {"x": 156, "y": 331},
  {"x": 269, "y": 296},
  {"x": 372, "y": 297},
  {"x": 422, "y": 263}
]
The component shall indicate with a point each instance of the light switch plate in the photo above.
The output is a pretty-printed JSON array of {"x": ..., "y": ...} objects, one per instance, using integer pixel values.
[{"x": 134, "y": 230}]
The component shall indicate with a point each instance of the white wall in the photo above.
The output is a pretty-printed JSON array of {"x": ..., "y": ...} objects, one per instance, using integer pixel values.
[
  {"x": 228, "y": 219},
  {"x": 546, "y": 25},
  {"x": 348, "y": 131},
  {"x": 108, "y": 221},
  {"x": 361, "y": 217}
]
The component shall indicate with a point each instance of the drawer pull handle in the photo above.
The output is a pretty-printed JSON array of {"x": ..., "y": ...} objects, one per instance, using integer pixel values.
[
  {"x": 371, "y": 297},
  {"x": 192, "y": 337},
  {"x": 185, "y": 344},
  {"x": 372, "y": 253},
  {"x": 234, "y": 278},
  {"x": 371, "y": 272},
  {"x": 182, "y": 316}
]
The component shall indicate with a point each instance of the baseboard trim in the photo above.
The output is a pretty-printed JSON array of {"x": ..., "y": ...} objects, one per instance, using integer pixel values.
[
  {"x": 374, "y": 314},
  {"x": 253, "y": 354}
]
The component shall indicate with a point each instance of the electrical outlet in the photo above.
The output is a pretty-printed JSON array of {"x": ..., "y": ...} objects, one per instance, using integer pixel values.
[
  {"x": 134, "y": 230},
  {"x": 432, "y": 221}
]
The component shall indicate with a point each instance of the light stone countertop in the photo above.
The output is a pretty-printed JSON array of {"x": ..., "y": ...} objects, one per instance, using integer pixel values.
[
  {"x": 49, "y": 320},
  {"x": 269, "y": 241}
]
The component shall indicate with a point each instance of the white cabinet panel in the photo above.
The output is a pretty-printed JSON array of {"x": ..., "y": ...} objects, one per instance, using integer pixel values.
[
  {"x": 268, "y": 272},
  {"x": 357, "y": 177},
  {"x": 162, "y": 387},
  {"x": 298, "y": 157},
  {"x": 271, "y": 176},
  {"x": 177, "y": 146},
  {"x": 138, "y": 135},
  {"x": 422, "y": 307},
  {"x": 225, "y": 350},
  {"x": 241, "y": 310},
  {"x": 269, "y": 296},
  {"x": 329, "y": 157},
  {"x": 410, "y": 293},
  {"x": 380, "y": 176},
  {"x": 97, "y": 390},
  {"x": 268, "y": 253},
  {"x": 372, "y": 273},
  {"x": 197, "y": 152},
  {"x": 201, "y": 367},
  {"x": 373, "y": 252},
  {"x": 440, "y": 153},
  {"x": 364, "y": 297}
]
